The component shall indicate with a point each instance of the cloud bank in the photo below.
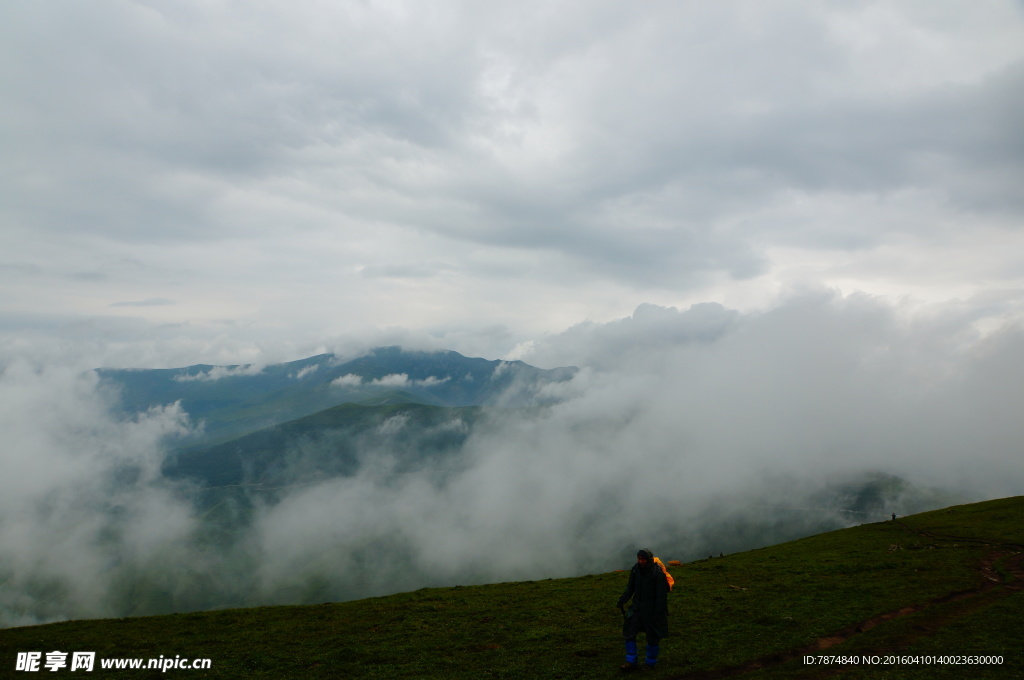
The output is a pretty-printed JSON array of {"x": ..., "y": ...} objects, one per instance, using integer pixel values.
[
  {"x": 82, "y": 506},
  {"x": 683, "y": 430}
]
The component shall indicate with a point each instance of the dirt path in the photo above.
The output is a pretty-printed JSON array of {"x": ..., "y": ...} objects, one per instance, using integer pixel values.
[{"x": 1010, "y": 557}]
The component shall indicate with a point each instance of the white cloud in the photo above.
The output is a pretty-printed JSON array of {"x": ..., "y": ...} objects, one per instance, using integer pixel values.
[
  {"x": 393, "y": 380},
  {"x": 691, "y": 418},
  {"x": 431, "y": 381},
  {"x": 312, "y": 368},
  {"x": 71, "y": 529},
  {"x": 401, "y": 380},
  {"x": 697, "y": 416},
  {"x": 418, "y": 182},
  {"x": 219, "y": 373},
  {"x": 349, "y": 380},
  {"x": 149, "y": 302}
]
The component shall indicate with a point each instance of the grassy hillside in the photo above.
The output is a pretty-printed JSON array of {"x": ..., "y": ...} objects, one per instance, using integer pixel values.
[{"x": 947, "y": 582}]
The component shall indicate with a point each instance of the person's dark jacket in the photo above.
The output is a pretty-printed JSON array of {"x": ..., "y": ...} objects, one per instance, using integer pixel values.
[{"x": 649, "y": 590}]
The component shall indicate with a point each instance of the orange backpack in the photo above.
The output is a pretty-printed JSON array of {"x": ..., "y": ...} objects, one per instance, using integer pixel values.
[{"x": 664, "y": 569}]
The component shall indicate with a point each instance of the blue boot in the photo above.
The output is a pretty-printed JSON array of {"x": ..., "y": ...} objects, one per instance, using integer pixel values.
[
  {"x": 652, "y": 655},
  {"x": 631, "y": 656}
]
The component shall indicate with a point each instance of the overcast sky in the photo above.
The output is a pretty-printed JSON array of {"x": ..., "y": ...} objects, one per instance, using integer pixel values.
[{"x": 230, "y": 181}]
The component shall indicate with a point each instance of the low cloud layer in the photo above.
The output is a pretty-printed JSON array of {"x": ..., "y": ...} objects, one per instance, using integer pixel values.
[
  {"x": 82, "y": 506},
  {"x": 682, "y": 430}
]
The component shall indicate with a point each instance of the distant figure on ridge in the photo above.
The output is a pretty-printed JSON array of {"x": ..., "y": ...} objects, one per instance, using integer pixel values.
[
  {"x": 894, "y": 517},
  {"x": 648, "y": 587}
]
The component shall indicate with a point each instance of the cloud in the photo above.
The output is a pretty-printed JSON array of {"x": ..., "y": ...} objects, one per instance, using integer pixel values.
[
  {"x": 712, "y": 430},
  {"x": 692, "y": 431},
  {"x": 349, "y": 380},
  {"x": 431, "y": 381},
  {"x": 70, "y": 527},
  {"x": 421, "y": 159},
  {"x": 393, "y": 380},
  {"x": 401, "y": 380},
  {"x": 647, "y": 333},
  {"x": 219, "y": 373},
  {"x": 396, "y": 380},
  {"x": 148, "y": 302},
  {"x": 312, "y": 368}
]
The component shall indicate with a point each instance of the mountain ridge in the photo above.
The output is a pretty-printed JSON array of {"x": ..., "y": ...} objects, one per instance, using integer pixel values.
[{"x": 236, "y": 399}]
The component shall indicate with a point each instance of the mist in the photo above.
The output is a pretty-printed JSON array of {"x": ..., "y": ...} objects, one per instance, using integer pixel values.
[{"x": 692, "y": 432}]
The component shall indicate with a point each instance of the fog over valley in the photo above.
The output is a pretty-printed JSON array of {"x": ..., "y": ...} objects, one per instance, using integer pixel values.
[{"x": 695, "y": 432}]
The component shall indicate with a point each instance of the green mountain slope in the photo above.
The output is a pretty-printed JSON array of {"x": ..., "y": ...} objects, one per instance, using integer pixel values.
[
  {"x": 234, "y": 400},
  {"x": 329, "y": 443},
  {"x": 943, "y": 585}
]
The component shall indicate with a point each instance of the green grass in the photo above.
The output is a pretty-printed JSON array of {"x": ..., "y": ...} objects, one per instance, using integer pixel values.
[{"x": 725, "y": 612}]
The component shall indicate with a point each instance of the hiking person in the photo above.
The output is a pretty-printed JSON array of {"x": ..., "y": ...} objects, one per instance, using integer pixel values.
[{"x": 648, "y": 614}]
